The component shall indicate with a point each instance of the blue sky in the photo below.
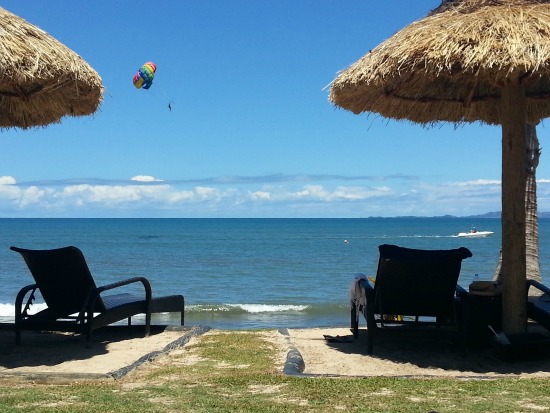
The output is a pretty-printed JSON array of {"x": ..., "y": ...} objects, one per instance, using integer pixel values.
[{"x": 251, "y": 132}]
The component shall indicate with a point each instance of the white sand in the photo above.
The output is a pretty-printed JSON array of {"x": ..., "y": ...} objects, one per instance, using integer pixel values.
[
  {"x": 402, "y": 356},
  {"x": 65, "y": 355}
]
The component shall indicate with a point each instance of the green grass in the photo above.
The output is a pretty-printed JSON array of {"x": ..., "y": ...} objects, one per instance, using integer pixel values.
[{"x": 238, "y": 372}]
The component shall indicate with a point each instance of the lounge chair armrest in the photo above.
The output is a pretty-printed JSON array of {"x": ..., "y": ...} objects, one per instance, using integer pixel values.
[
  {"x": 21, "y": 296},
  {"x": 23, "y": 291},
  {"x": 538, "y": 285},
  {"x": 117, "y": 284},
  {"x": 94, "y": 295},
  {"x": 461, "y": 292}
]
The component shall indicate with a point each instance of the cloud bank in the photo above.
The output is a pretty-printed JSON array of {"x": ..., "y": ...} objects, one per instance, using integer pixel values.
[{"x": 256, "y": 196}]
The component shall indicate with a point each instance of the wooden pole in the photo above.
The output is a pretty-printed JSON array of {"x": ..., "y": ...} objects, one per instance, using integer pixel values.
[{"x": 514, "y": 318}]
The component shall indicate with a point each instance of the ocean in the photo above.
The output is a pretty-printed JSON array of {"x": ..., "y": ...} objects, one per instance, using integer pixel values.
[{"x": 247, "y": 273}]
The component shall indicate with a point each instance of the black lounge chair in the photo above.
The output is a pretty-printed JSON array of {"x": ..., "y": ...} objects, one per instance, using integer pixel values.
[
  {"x": 411, "y": 282},
  {"x": 74, "y": 302},
  {"x": 538, "y": 307}
]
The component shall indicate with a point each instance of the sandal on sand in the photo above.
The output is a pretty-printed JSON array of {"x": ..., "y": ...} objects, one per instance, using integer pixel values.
[{"x": 338, "y": 339}]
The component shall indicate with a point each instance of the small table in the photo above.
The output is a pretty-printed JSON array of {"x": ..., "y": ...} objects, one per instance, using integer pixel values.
[{"x": 480, "y": 312}]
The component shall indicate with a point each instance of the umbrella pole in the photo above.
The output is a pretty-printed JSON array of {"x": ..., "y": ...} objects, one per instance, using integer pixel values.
[{"x": 514, "y": 175}]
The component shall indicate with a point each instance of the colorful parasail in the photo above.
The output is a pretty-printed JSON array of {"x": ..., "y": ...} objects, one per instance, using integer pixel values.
[{"x": 145, "y": 75}]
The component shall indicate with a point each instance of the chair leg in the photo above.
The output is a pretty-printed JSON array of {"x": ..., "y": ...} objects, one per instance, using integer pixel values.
[
  {"x": 354, "y": 321},
  {"x": 147, "y": 323},
  {"x": 89, "y": 337},
  {"x": 371, "y": 328},
  {"x": 182, "y": 312},
  {"x": 370, "y": 342},
  {"x": 17, "y": 336}
]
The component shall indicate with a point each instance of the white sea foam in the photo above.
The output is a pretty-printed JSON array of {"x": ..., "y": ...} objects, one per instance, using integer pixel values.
[
  {"x": 7, "y": 313},
  {"x": 248, "y": 308},
  {"x": 8, "y": 310},
  {"x": 266, "y": 308}
]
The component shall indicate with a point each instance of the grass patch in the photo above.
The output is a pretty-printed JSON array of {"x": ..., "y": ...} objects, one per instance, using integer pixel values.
[{"x": 238, "y": 372}]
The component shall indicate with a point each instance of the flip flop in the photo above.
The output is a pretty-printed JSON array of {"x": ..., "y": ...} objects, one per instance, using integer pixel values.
[{"x": 338, "y": 339}]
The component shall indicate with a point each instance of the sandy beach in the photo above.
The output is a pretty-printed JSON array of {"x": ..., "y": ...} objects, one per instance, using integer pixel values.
[
  {"x": 402, "y": 355},
  {"x": 115, "y": 352},
  {"x": 118, "y": 351}
]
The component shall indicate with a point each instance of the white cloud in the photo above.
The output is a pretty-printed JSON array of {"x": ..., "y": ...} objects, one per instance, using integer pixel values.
[
  {"x": 21, "y": 198},
  {"x": 260, "y": 195},
  {"x": 360, "y": 193},
  {"x": 7, "y": 180},
  {"x": 478, "y": 182},
  {"x": 33, "y": 196},
  {"x": 106, "y": 194},
  {"x": 340, "y": 193},
  {"x": 145, "y": 178}
]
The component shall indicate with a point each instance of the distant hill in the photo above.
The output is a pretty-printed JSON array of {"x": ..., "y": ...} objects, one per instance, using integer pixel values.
[
  {"x": 498, "y": 214},
  {"x": 487, "y": 215},
  {"x": 495, "y": 214}
]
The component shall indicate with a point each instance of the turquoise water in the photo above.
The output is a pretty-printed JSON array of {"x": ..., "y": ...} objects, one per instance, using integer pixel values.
[{"x": 247, "y": 273}]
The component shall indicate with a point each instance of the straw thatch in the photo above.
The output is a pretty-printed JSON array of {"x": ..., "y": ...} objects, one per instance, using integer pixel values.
[
  {"x": 468, "y": 6},
  {"x": 41, "y": 80},
  {"x": 452, "y": 65}
]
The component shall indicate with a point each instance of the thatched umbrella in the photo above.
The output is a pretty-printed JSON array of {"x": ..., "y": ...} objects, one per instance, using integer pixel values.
[
  {"x": 41, "y": 80},
  {"x": 469, "y": 60}
]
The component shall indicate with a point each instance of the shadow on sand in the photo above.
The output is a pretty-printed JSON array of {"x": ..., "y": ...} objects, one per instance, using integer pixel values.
[
  {"x": 445, "y": 350},
  {"x": 54, "y": 348}
]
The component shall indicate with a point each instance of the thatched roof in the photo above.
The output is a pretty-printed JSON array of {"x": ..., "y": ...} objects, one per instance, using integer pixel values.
[
  {"x": 451, "y": 65},
  {"x": 41, "y": 80},
  {"x": 468, "y": 6}
]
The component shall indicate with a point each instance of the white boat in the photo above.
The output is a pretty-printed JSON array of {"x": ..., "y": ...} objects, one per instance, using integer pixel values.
[{"x": 475, "y": 234}]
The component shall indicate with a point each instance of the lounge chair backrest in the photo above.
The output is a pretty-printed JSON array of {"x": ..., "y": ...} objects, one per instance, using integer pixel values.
[
  {"x": 63, "y": 277},
  {"x": 417, "y": 282}
]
